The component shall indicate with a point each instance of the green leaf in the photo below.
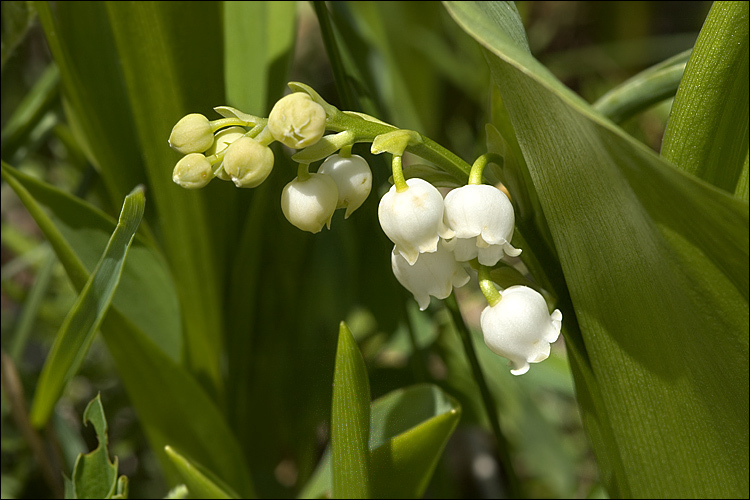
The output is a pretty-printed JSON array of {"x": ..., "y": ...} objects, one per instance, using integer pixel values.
[
  {"x": 655, "y": 266},
  {"x": 200, "y": 482},
  {"x": 408, "y": 441},
  {"x": 409, "y": 429},
  {"x": 350, "y": 420},
  {"x": 30, "y": 111},
  {"x": 17, "y": 19},
  {"x": 78, "y": 329},
  {"x": 94, "y": 475},
  {"x": 140, "y": 361},
  {"x": 707, "y": 132},
  {"x": 94, "y": 95},
  {"x": 171, "y": 69},
  {"x": 643, "y": 90},
  {"x": 146, "y": 293},
  {"x": 259, "y": 43}
]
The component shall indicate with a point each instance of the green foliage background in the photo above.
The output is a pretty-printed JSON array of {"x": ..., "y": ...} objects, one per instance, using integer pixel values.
[{"x": 223, "y": 340}]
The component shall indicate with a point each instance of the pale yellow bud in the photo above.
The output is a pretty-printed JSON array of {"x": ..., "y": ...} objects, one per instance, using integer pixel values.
[
  {"x": 297, "y": 121},
  {"x": 247, "y": 162},
  {"x": 224, "y": 138},
  {"x": 192, "y": 134},
  {"x": 192, "y": 171}
]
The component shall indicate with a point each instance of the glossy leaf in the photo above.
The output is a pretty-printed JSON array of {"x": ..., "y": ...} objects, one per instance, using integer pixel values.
[
  {"x": 82, "y": 322},
  {"x": 707, "y": 132},
  {"x": 199, "y": 482},
  {"x": 655, "y": 263},
  {"x": 350, "y": 421}
]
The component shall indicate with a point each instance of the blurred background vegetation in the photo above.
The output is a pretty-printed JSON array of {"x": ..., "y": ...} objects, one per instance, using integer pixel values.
[{"x": 590, "y": 46}]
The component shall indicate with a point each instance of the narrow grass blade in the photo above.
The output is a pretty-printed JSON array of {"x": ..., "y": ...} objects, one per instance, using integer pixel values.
[{"x": 78, "y": 329}]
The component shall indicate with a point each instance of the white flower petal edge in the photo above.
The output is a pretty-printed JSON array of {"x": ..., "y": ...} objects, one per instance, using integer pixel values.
[
  {"x": 413, "y": 219},
  {"x": 309, "y": 204},
  {"x": 353, "y": 178},
  {"x": 520, "y": 328},
  {"x": 483, "y": 220},
  {"x": 432, "y": 274}
]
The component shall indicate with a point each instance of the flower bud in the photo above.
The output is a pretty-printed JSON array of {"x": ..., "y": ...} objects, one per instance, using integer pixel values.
[
  {"x": 193, "y": 171},
  {"x": 413, "y": 219},
  {"x": 309, "y": 204},
  {"x": 520, "y": 328},
  {"x": 353, "y": 179},
  {"x": 247, "y": 162},
  {"x": 224, "y": 138},
  {"x": 192, "y": 134},
  {"x": 297, "y": 121},
  {"x": 433, "y": 274}
]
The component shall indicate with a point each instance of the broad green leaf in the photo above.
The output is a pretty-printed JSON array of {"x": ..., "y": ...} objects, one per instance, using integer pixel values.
[
  {"x": 78, "y": 329},
  {"x": 655, "y": 263},
  {"x": 140, "y": 362},
  {"x": 94, "y": 475},
  {"x": 258, "y": 45},
  {"x": 409, "y": 428},
  {"x": 200, "y": 483},
  {"x": 146, "y": 293},
  {"x": 350, "y": 421},
  {"x": 707, "y": 132},
  {"x": 643, "y": 90}
]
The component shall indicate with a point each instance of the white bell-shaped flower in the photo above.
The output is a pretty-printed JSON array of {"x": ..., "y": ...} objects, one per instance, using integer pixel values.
[
  {"x": 309, "y": 204},
  {"x": 413, "y": 218},
  {"x": 483, "y": 219},
  {"x": 353, "y": 179},
  {"x": 520, "y": 328},
  {"x": 433, "y": 274}
]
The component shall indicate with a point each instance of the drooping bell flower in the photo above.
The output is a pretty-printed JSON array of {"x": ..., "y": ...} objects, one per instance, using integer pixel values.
[
  {"x": 520, "y": 328},
  {"x": 413, "y": 218},
  {"x": 483, "y": 219},
  {"x": 353, "y": 179},
  {"x": 309, "y": 203},
  {"x": 432, "y": 274}
]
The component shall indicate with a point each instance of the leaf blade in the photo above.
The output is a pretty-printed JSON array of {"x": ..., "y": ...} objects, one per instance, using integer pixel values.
[
  {"x": 350, "y": 421},
  {"x": 78, "y": 329},
  {"x": 632, "y": 321}
]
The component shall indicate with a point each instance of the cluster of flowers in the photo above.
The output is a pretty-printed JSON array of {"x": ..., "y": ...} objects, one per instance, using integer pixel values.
[{"x": 433, "y": 237}]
